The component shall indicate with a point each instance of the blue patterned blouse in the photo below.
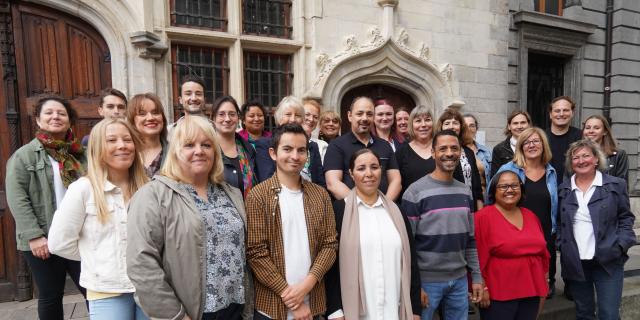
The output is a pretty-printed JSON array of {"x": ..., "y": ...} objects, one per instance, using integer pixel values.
[{"x": 225, "y": 258}]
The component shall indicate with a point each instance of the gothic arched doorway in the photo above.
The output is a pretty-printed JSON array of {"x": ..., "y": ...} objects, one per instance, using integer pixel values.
[{"x": 395, "y": 97}]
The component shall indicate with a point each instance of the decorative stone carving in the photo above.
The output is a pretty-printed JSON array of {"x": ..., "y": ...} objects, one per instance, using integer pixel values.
[
  {"x": 447, "y": 72},
  {"x": 375, "y": 37},
  {"x": 149, "y": 45},
  {"x": 403, "y": 38},
  {"x": 425, "y": 53},
  {"x": 391, "y": 3}
]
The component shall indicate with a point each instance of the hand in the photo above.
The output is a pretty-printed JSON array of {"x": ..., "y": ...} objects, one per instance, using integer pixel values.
[
  {"x": 476, "y": 292},
  {"x": 302, "y": 312},
  {"x": 293, "y": 295},
  {"x": 39, "y": 248},
  {"x": 424, "y": 299},
  {"x": 416, "y": 317},
  {"x": 486, "y": 300},
  {"x": 186, "y": 317}
]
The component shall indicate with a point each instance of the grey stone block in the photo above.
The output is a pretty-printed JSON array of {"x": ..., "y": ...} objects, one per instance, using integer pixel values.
[
  {"x": 497, "y": 62},
  {"x": 597, "y": 5},
  {"x": 593, "y": 83},
  {"x": 627, "y": 18},
  {"x": 625, "y": 4},
  {"x": 626, "y": 83},
  {"x": 626, "y": 99},
  {"x": 625, "y": 67},
  {"x": 593, "y": 68},
  {"x": 597, "y": 18},
  {"x": 594, "y": 52},
  {"x": 626, "y": 34},
  {"x": 627, "y": 51}
]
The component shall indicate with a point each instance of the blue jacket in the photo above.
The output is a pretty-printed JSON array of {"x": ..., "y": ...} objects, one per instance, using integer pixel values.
[
  {"x": 552, "y": 186},
  {"x": 484, "y": 155},
  {"x": 268, "y": 166},
  {"x": 612, "y": 226}
]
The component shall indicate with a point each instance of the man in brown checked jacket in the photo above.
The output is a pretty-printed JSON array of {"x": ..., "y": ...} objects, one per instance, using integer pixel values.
[{"x": 291, "y": 234}]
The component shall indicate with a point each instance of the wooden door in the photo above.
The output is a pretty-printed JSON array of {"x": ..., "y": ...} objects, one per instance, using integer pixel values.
[
  {"x": 545, "y": 81},
  {"x": 43, "y": 52},
  {"x": 395, "y": 97}
]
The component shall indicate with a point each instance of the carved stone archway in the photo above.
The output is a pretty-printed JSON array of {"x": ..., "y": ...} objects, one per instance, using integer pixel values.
[{"x": 385, "y": 58}]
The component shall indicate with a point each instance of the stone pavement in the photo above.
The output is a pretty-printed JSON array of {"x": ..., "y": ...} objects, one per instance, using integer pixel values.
[{"x": 74, "y": 308}]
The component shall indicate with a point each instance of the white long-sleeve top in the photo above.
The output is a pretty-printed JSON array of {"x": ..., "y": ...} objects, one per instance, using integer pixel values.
[
  {"x": 381, "y": 252},
  {"x": 582, "y": 224},
  {"x": 77, "y": 234}
]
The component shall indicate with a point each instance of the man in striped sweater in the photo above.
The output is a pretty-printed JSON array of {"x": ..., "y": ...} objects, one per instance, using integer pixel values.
[{"x": 439, "y": 209}]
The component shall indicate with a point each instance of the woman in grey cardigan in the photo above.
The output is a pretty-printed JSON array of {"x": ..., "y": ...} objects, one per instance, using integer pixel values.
[
  {"x": 38, "y": 175},
  {"x": 187, "y": 233}
]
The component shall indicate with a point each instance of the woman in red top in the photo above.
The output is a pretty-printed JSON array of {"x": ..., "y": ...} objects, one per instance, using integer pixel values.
[{"x": 513, "y": 254}]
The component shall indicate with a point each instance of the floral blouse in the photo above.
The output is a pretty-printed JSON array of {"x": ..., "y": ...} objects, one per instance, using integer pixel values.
[{"x": 225, "y": 250}]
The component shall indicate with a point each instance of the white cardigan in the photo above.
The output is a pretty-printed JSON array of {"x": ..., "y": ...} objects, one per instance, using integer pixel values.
[{"x": 77, "y": 234}]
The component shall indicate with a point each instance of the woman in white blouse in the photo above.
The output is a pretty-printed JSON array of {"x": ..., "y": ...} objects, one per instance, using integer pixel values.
[
  {"x": 595, "y": 232},
  {"x": 90, "y": 224},
  {"x": 374, "y": 236}
]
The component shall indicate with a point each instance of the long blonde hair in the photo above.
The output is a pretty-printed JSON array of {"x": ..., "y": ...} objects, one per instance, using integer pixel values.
[
  {"x": 186, "y": 131},
  {"x": 609, "y": 144},
  {"x": 97, "y": 170}
]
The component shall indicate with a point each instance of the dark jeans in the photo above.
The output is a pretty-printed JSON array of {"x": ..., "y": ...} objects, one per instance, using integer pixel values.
[
  {"x": 517, "y": 309},
  {"x": 50, "y": 276},
  {"x": 232, "y": 312},
  {"x": 551, "y": 247},
  {"x": 608, "y": 288}
]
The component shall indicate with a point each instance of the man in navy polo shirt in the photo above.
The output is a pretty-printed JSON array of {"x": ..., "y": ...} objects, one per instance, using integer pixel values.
[{"x": 336, "y": 160}]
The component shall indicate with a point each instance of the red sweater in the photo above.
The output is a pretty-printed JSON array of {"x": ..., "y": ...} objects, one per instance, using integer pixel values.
[{"x": 513, "y": 262}]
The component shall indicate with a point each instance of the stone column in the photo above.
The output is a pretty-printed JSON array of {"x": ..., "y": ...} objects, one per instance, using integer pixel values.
[{"x": 388, "y": 22}]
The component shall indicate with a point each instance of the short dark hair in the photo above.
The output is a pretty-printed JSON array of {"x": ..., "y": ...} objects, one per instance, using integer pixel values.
[
  {"x": 355, "y": 155},
  {"x": 514, "y": 114},
  {"x": 358, "y": 98},
  {"x": 112, "y": 92},
  {"x": 447, "y": 132},
  {"x": 567, "y": 98},
  {"x": 287, "y": 128},
  {"x": 192, "y": 78},
  {"x": 248, "y": 105},
  {"x": 220, "y": 101},
  {"x": 491, "y": 192},
  {"x": 71, "y": 112}
]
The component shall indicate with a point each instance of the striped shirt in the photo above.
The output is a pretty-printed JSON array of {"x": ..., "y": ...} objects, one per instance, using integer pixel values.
[{"x": 442, "y": 222}]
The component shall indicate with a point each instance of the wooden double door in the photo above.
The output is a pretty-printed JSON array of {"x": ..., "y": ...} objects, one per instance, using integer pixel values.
[{"x": 42, "y": 52}]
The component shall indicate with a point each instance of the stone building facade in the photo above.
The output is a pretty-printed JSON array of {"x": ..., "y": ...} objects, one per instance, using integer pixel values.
[{"x": 487, "y": 57}]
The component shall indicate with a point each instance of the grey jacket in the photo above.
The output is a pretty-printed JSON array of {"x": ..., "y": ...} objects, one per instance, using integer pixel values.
[{"x": 166, "y": 250}]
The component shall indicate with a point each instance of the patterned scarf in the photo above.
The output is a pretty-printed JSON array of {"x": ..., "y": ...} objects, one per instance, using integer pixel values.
[
  {"x": 248, "y": 176},
  {"x": 67, "y": 153}
]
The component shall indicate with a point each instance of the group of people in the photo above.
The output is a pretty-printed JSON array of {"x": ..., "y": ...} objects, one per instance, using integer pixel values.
[{"x": 401, "y": 217}]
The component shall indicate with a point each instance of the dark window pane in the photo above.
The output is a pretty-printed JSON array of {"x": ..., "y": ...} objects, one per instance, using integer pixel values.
[
  {"x": 267, "y": 79},
  {"x": 551, "y": 7},
  {"x": 210, "y": 64},
  {"x": 271, "y": 18},
  {"x": 206, "y": 14}
]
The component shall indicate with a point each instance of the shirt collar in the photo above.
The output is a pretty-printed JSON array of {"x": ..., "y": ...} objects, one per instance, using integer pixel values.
[
  {"x": 378, "y": 202},
  {"x": 108, "y": 186},
  {"x": 597, "y": 181},
  {"x": 354, "y": 139}
]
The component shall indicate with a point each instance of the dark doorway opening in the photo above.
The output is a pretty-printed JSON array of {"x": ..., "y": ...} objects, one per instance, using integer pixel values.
[
  {"x": 545, "y": 81},
  {"x": 395, "y": 97}
]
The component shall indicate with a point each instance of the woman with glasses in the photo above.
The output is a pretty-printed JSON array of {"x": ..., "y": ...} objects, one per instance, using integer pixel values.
[
  {"x": 238, "y": 156},
  {"x": 512, "y": 250},
  {"x": 330, "y": 123},
  {"x": 531, "y": 163}
]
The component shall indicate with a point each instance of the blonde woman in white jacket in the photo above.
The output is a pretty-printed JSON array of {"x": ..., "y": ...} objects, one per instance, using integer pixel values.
[{"x": 90, "y": 224}]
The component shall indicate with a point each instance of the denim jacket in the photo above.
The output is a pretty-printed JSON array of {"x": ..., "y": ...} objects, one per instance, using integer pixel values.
[
  {"x": 552, "y": 186},
  {"x": 484, "y": 154}
]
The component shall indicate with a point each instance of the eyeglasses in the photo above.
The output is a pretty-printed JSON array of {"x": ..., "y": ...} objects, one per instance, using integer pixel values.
[
  {"x": 532, "y": 142},
  {"x": 505, "y": 187}
]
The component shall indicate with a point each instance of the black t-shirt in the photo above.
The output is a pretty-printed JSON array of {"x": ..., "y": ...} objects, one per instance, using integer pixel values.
[
  {"x": 538, "y": 200},
  {"x": 559, "y": 146},
  {"x": 341, "y": 148},
  {"x": 412, "y": 166}
]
